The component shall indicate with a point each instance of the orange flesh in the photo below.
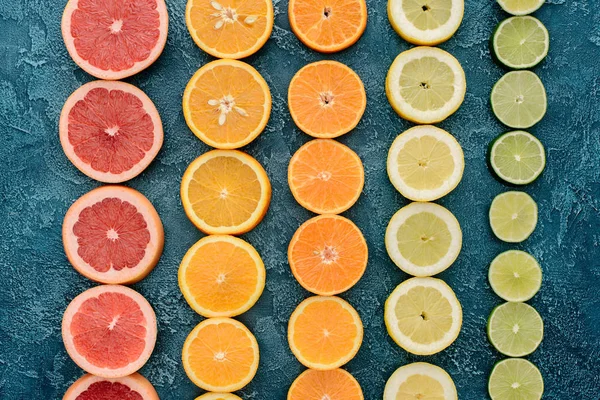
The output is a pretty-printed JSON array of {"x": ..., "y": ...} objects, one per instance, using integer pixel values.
[{"x": 335, "y": 384}]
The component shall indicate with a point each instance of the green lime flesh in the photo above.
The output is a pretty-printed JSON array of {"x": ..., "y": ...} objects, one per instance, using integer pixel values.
[
  {"x": 521, "y": 42},
  {"x": 515, "y": 379},
  {"x": 513, "y": 216},
  {"x": 515, "y": 329},
  {"x": 515, "y": 275},
  {"x": 519, "y": 99},
  {"x": 517, "y": 157},
  {"x": 520, "y": 7}
]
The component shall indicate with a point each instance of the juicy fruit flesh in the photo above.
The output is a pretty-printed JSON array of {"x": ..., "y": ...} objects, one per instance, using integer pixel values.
[
  {"x": 115, "y": 34},
  {"x": 425, "y": 163},
  {"x": 519, "y": 99},
  {"x": 427, "y": 83},
  {"x": 517, "y": 379},
  {"x": 106, "y": 390},
  {"x": 110, "y": 130},
  {"x": 521, "y": 41},
  {"x": 420, "y": 387},
  {"x": 335, "y": 384},
  {"x": 518, "y": 156},
  {"x": 427, "y": 14},
  {"x": 521, "y": 5},
  {"x": 513, "y": 215},
  {"x": 109, "y": 331},
  {"x": 424, "y": 239},
  {"x": 111, "y": 234},
  {"x": 515, "y": 276},
  {"x": 516, "y": 329}
]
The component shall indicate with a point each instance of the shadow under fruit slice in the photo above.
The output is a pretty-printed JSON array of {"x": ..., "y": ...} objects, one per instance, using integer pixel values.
[
  {"x": 115, "y": 39},
  {"x": 318, "y": 385},
  {"x": 113, "y": 234},
  {"x": 110, "y": 130},
  {"x": 109, "y": 331},
  {"x": 132, "y": 387}
]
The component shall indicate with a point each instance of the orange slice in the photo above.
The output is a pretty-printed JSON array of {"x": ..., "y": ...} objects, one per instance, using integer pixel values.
[
  {"x": 225, "y": 192},
  {"x": 220, "y": 355},
  {"x": 227, "y": 104},
  {"x": 230, "y": 28},
  {"x": 328, "y": 26},
  {"x": 324, "y": 332},
  {"x": 218, "y": 396},
  {"x": 328, "y": 254},
  {"x": 326, "y": 99},
  {"x": 326, "y": 177},
  {"x": 221, "y": 276},
  {"x": 336, "y": 384}
]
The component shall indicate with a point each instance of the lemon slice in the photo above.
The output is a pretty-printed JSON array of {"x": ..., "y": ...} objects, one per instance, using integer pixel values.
[
  {"x": 425, "y": 85},
  {"x": 515, "y": 275},
  {"x": 426, "y": 22},
  {"x": 423, "y": 239},
  {"x": 520, "y": 7},
  {"x": 515, "y": 329},
  {"x": 420, "y": 381},
  {"x": 423, "y": 315},
  {"x": 519, "y": 99},
  {"x": 425, "y": 163},
  {"x": 513, "y": 216},
  {"x": 515, "y": 379}
]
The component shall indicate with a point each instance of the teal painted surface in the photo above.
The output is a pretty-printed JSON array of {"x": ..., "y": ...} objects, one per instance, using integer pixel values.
[{"x": 37, "y": 185}]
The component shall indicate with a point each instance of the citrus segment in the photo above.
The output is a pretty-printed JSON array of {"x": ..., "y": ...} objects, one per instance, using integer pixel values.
[
  {"x": 328, "y": 255},
  {"x": 521, "y": 42},
  {"x": 220, "y": 355},
  {"x": 513, "y": 216},
  {"x": 225, "y": 192},
  {"x": 132, "y": 387},
  {"x": 519, "y": 99},
  {"x": 324, "y": 332},
  {"x": 218, "y": 396},
  {"x": 517, "y": 157},
  {"x": 326, "y": 99},
  {"x": 515, "y": 378},
  {"x": 520, "y": 7},
  {"x": 335, "y": 384},
  {"x": 515, "y": 329},
  {"x": 227, "y": 104},
  {"x": 420, "y": 381},
  {"x": 515, "y": 275}
]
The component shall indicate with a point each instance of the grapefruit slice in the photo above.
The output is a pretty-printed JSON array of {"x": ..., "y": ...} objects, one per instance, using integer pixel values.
[
  {"x": 132, "y": 387},
  {"x": 115, "y": 39},
  {"x": 336, "y": 384},
  {"x": 109, "y": 331},
  {"x": 110, "y": 131},
  {"x": 113, "y": 234}
]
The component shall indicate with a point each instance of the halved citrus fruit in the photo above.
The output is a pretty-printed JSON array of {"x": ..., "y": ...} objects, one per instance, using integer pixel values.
[
  {"x": 218, "y": 396},
  {"x": 326, "y": 177},
  {"x": 225, "y": 192},
  {"x": 116, "y": 39},
  {"x": 230, "y": 28},
  {"x": 326, "y": 99},
  {"x": 328, "y": 26},
  {"x": 220, "y": 355},
  {"x": 132, "y": 387},
  {"x": 328, "y": 254},
  {"x": 336, "y": 384},
  {"x": 227, "y": 104},
  {"x": 325, "y": 332},
  {"x": 221, "y": 276},
  {"x": 420, "y": 381},
  {"x": 110, "y": 130},
  {"x": 113, "y": 234},
  {"x": 109, "y": 331}
]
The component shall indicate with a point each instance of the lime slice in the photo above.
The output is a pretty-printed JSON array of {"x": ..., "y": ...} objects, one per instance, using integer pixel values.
[
  {"x": 520, "y": 7},
  {"x": 515, "y": 329},
  {"x": 426, "y": 22},
  {"x": 519, "y": 99},
  {"x": 425, "y": 85},
  {"x": 515, "y": 275},
  {"x": 420, "y": 381},
  {"x": 515, "y": 379},
  {"x": 423, "y": 315},
  {"x": 517, "y": 157},
  {"x": 521, "y": 42},
  {"x": 513, "y": 216},
  {"x": 423, "y": 239},
  {"x": 425, "y": 163}
]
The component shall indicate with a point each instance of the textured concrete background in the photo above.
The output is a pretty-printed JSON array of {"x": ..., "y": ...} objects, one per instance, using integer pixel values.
[{"x": 37, "y": 185}]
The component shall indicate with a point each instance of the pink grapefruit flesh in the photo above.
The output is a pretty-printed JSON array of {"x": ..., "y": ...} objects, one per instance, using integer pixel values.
[
  {"x": 109, "y": 331},
  {"x": 110, "y": 130},
  {"x": 114, "y": 39},
  {"x": 113, "y": 235},
  {"x": 132, "y": 387}
]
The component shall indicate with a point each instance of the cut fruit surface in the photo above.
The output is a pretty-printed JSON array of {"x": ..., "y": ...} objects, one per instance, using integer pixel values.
[
  {"x": 225, "y": 192},
  {"x": 423, "y": 315},
  {"x": 230, "y": 28},
  {"x": 110, "y": 130},
  {"x": 426, "y": 22},
  {"x": 116, "y": 39},
  {"x": 425, "y": 163},
  {"x": 513, "y": 216},
  {"x": 335, "y": 384},
  {"x": 515, "y": 379},
  {"x": 218, "y": 396},
  {"x": 515, "y": 329},
  {"x": 328, "y": 26},
  {"x": 326, "y": 99},
  {"x": 520, "y": 7},
  {"x": 519, "y": 99},
  {"x": 227, "y": 104},
  {"x": 423, "y": 239},
  {"x": 220, "y": 355},
  {"x": 326, "y": 177},
  {"x": 328, "y": 254},
  {"x": 515, "y": 275},
  {"x": 521, "y": 42},
  {"x": 221, "y": 276},
  {"x": 425, "y": 85},
  {"x": 324, "y": 332},
  {"x": 517, "y": 157},
  {"x": 109, "y": 331},
  {"x": 113, "y": 235},
  {"x": 132, "y": 387},
  {"x": 420, "y": 381}
]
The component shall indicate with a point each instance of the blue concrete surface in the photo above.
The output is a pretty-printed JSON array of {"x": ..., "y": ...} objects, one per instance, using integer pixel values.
[{"x": 37, "y": 185}]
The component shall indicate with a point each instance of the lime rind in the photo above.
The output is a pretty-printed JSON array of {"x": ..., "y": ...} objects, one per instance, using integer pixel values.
[
  {"x": 515, "y": 276},
  {"x": 529, "y": 157},
  {"x": 533, "y": 42},
  {"x": 515, "y": 329},
  {"x": 515, "y": 378},
  {"x": 520, "y": 7}
]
